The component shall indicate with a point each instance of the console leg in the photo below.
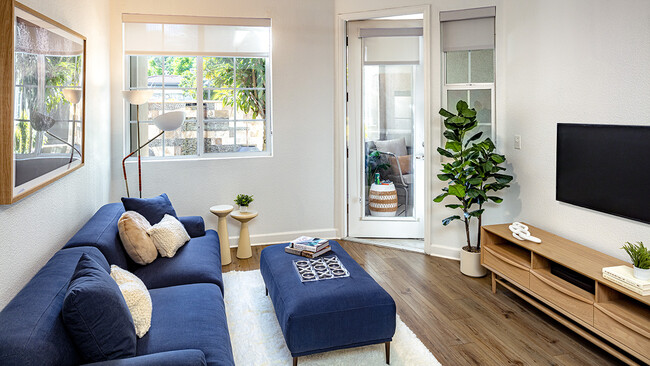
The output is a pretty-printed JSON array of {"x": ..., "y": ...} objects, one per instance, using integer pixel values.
[
  {"x": 295, "y": 361},
  {"x": 494, "y": 283},
  {"x": 387, "y": 353}
]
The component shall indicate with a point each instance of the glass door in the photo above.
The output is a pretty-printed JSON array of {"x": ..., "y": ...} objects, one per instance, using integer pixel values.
[{"x": 385, "y": 129}]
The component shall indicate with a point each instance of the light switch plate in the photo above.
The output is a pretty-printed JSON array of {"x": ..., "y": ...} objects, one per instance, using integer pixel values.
[{"x": 518, "y": 142}]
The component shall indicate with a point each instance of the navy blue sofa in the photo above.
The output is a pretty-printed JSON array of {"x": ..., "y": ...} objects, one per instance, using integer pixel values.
[{"x": 188, "y": 325}]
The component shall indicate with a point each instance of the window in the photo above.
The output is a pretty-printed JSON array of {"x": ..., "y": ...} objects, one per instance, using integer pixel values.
[
  {"x": 468, "y": 63},
  {"x": 218, "y": 73}
]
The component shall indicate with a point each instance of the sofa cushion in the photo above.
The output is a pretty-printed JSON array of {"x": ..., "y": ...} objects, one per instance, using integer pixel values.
[
  {"x": 395, "y": 146},
  {"x": 31, "y": 328},
  {"x": 133, "y": 229},
  {"x": 185, "y": 357},
  {"x": 153, "y": 209},
  {"x": 168, "y": 236},
  {"x": 101, "y": 232},
  {"x": 189, "y": 316},
  {"x": 96, "y": 315},
  {"x": 194, "y": 225},
  {"x": 198, "y": 261},
  {"x": 137, "y": 298}
]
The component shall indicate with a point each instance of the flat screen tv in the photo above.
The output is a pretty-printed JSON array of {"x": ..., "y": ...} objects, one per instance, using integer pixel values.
[{"x": 605, "y": 168}]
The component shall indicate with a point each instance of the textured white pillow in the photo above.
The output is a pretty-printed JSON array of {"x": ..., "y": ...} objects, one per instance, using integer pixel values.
[
  {"x": 168, "y": 235},
  {"x": 137, "y": 298}
]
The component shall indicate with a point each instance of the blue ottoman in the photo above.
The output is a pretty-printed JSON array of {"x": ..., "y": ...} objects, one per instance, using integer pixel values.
[{"x": 328, "y": 314}]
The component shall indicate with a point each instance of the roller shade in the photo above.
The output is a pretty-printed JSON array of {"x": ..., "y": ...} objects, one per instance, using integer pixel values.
[
  {"x": 200, "y": 36},
  {"x": 391, "y": 46},
  {"x": 471, "y": 29}
]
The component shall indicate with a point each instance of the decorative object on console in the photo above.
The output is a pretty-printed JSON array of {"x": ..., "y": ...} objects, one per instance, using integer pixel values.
[
  {"x": 243, "y": 200},
  {"x": 42, "y": 61},
  {"x": 222, "y": 211},
  {"x": 137, "y": 298},
  {"x": 168, "y": 236},
  {"x": 520, "y": 231},
  {"x": 624, "y": 276},
  {"x": 169, "y": 121},
  {"x": 472, "y": 174},
  {"x": 640, "y": 257},
  {"x": 133, "y": 229}
]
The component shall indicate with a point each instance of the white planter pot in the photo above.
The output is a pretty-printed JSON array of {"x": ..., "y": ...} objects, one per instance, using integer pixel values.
[
  {"x": 642, "y": 274},
  {"x": 243, "y": 208},
  {"x": 470, "y": 264}
]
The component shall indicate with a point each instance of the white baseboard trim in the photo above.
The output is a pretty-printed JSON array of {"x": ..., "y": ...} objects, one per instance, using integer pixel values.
[
  {"x": 284, "y": 237},
  {"x": 443, "y": 251}
]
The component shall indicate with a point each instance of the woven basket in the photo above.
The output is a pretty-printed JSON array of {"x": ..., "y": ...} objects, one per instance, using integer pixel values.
[{"x": 382, "y": 200}]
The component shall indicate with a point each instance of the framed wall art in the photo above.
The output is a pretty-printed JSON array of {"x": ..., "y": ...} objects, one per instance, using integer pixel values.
[{"x": 42, "y": 101}]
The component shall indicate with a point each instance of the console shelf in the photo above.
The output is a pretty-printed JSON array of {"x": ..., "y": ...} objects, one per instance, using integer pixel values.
[{"x": 564, "y": 279}]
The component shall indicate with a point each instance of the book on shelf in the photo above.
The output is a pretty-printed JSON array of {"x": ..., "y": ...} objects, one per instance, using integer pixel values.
[
  {"x": 305, "y": 253},
  {"x": 617, "y": 281},
  {"x": 626, "y": 274},
  {"x": 309, "y": 244}
]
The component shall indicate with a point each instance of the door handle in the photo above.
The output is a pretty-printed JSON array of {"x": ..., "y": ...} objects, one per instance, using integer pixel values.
[{"x": 419, "y": 157}]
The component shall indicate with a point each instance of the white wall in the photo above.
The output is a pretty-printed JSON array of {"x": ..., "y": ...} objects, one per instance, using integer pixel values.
[
  {"x": 293, "y": 189},
  {"x": 557, "y": 61},
  {"x": 34, "y": 228},
  {"x": 572, "y": 61}
]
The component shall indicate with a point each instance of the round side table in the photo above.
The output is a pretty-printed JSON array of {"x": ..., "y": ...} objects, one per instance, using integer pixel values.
[
  {"x": 222, "y": 211},
  {"x": 382, "y": 200},
  {"x": 244, "y": 245}
]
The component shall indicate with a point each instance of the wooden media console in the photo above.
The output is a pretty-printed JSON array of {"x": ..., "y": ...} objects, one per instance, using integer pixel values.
[{"x": 564, "y": 280}]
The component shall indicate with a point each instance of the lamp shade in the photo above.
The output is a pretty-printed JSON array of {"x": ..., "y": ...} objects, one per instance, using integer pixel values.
[
  {"x": 72, "y": 95},
  {"x": 170, "y": 121},
  {"x": 137, "y": 97}
]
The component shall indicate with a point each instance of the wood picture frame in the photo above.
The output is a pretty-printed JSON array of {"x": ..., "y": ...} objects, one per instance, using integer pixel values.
[{"x": 42, "y": 101}]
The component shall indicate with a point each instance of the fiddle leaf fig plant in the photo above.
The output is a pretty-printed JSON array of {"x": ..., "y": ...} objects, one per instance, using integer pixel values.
[{"x": 472, "y": 171}]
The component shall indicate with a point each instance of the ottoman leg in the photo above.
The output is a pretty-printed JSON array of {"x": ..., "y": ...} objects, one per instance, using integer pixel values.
[
  {"x": 267, "y": 291},
  {"x": 295, "y": 361},
  {"x": 387, "y": 353}
]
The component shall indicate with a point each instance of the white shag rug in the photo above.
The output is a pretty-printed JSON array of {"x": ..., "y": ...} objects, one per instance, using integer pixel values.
[{"x": 257, "y": 339}]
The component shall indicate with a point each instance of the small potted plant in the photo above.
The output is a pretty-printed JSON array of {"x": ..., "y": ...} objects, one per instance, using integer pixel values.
[
  {"x": 640, "y": 256},
  {"x": 243, "y": 200}
]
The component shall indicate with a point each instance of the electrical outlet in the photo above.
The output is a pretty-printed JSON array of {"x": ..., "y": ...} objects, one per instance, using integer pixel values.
[{"x": 518, "y": 142}]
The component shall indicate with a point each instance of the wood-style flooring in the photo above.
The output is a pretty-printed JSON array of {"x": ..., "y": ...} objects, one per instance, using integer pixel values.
[{"x": 458, "y": 318}]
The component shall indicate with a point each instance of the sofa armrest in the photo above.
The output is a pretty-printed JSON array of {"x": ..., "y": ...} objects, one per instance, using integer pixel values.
[
  {"x": 193, "y": 224},
  {"x": 185, "y": 357}
]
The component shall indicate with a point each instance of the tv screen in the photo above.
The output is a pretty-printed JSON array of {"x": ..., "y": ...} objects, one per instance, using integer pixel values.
[{"x": 605, "y": 168}]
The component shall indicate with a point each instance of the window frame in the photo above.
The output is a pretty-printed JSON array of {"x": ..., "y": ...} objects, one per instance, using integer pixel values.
[
  {"x": 470, "y": 86},
  {"x": 200, "y": 121}
]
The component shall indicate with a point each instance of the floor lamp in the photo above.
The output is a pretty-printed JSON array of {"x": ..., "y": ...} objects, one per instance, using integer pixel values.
[
  {"x": 169, "y": 121},
  {"x": 136, "y": 98},
  {"x": 73, "y": 96}
]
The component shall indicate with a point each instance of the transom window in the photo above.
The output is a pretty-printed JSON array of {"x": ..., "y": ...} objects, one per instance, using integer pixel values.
[{"x": 222, "y": 87}]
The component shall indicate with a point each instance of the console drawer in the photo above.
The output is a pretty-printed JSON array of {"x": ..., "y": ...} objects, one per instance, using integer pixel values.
[
  {"x": 620, "y": 325},
  {"x": 575, "y": 301},
  {"x": 503, "y": 260}
]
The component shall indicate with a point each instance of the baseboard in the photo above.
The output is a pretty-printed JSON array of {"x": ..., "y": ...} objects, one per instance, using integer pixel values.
[
  {"x": 284, "y": 237},
  {"x": 442, "y": 251}
]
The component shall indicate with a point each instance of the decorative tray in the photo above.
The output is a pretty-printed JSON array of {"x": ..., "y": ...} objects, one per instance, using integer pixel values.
[{"x": 324, "y": 268}]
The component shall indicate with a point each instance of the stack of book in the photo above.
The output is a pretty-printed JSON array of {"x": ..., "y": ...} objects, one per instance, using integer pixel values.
[
  {"x": 624, "y": 276},
  {"x": 308, "y": 247}
]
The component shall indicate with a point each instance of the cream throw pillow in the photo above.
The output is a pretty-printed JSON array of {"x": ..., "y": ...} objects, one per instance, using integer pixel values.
[
  {"x": 168, "y": 235},
  {"x": 135, "y": 239},
  {"x": 137, "y": 298}
]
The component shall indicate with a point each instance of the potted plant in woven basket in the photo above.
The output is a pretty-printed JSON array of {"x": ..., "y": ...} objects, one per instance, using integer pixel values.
[
  {"x": 473, "y": 174},
  {"x": 640, "y": 256},
  {"x": 243, "y": 200}
]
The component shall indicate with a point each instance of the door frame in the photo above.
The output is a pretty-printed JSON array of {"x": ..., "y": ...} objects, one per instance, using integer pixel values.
[{"x": 340, "y": 114}]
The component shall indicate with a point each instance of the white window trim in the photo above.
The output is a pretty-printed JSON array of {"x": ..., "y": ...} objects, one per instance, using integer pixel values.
[{"x": 201, "y": 155}]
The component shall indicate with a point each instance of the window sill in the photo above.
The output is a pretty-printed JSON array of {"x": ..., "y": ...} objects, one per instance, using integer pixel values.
[{"x": 219, "y": 156}]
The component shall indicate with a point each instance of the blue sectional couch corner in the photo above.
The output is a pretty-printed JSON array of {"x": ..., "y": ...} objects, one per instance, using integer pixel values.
[{"x": 188, "y": 325}]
